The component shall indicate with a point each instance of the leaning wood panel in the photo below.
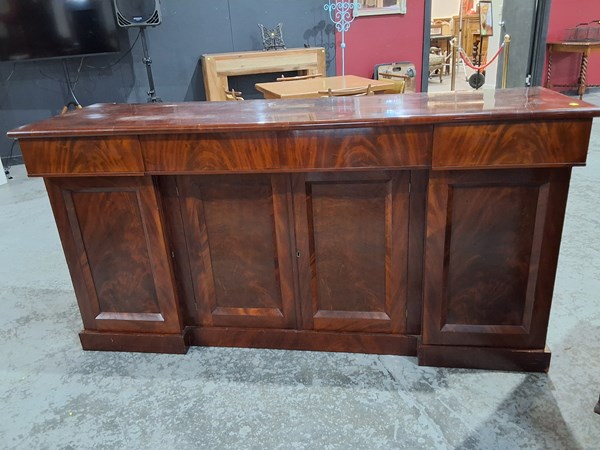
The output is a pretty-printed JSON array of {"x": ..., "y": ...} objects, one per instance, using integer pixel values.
[
  {"x": 211, "y": 153},
  {"x": 529, "y": 144},
  {"x": 83, "y": 156},
  {"x": 357, "y": 148},
  {"x": 218, "y": 66}
]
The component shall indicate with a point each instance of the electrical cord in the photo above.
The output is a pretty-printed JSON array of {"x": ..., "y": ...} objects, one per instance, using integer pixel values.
[
  {"x": 12, "y": 72},
  {"x": 120, "y": 59},
  {"x": 70, "y": 85},
  {"x": 10, "y": 157}
]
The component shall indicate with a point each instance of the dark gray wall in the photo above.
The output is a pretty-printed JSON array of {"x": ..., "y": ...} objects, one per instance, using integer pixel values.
[
  {"x": 34, "y": 90},
  {"x": 519, "y": 23}
]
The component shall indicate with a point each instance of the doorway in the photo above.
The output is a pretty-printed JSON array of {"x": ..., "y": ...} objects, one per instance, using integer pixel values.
[{"x": 526, "y": 21}]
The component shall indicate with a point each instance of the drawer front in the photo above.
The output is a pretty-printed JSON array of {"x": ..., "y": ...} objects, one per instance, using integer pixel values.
[
  {"x": 358, "y": 148},
  {"x": 211, "y": 153},
  {"x": 83, "y": 156},
  {"x": 542, "y": 144}
]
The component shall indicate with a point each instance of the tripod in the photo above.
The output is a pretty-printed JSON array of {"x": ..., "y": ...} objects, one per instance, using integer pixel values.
[{"x": 152, "y": 98}]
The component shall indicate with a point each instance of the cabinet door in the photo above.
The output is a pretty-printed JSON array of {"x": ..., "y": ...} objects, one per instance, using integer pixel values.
[
  {"x": 238, "y": 234},
  {"x": 352, "y": 242},
  {"x": 491, "y": 251},
  {"x": 116, "y": 249}
]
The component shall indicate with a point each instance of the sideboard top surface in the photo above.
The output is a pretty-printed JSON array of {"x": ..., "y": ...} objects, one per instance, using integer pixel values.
[{"x": 518, "y": 104}]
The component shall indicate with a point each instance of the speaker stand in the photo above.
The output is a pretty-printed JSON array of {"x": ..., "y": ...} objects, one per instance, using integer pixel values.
[{"x": 152, "y": 98}]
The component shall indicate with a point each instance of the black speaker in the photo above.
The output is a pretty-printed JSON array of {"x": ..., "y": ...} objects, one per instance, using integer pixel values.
[{"x": 138, "y": 13}]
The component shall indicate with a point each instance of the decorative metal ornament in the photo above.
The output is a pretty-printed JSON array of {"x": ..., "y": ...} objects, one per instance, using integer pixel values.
[
  {"x": 272, "y": 38},
  {"x": 341, "y": 14}
]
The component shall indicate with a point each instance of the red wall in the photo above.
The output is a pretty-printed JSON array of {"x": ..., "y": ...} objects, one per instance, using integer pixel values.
[
  {"x": 375, "y": 40},
  {"x": 566, "y": 14}
]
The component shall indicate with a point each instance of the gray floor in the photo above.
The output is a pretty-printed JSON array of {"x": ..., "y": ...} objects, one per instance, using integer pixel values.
[{"x": 54, "y": 395}]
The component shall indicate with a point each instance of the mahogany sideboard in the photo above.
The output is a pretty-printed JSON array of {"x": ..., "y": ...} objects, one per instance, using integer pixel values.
[{"x": 413, "y": 224}]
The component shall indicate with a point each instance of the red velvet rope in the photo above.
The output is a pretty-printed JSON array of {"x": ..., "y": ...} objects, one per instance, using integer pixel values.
[{"x": 485, "y": 66}]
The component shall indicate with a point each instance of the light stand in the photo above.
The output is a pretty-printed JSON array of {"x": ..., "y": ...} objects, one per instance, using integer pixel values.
[{"x": 152, "y": 98}]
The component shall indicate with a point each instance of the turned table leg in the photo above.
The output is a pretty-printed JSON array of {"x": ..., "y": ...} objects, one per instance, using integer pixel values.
[
  {"x": 549, "y": 70},
  {"x": 583, "y": 74}
]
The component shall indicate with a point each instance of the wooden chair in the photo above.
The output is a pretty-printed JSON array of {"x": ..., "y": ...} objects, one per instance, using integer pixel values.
[
  {"x": 437, "y": 62},
  {"x": 300, "y": 77},
  {"x": 399, "y": 82},
  {"x": 349, "y": 92},
  {"x": 233, "y": 95}
]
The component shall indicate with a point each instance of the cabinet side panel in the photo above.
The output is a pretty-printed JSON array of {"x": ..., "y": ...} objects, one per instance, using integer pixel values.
[
  {"x": 121, "y": 271},
  {"x": 491, "y": 252},
  {"x": 112, "y": 234},
  {"x": 489, "y": 246}
]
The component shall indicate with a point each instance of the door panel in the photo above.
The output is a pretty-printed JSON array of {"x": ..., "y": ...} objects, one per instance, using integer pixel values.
[
  {"x": 239, "y": 239},
  {"x": 116, "y": 249},
  {"x": 352, "y": 239},
  {"x": 491, "y": 250}
]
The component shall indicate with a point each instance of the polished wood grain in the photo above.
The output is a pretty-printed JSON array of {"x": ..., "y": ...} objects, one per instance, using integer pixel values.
[
  {"x": 528, "y": 144},
  {"x": 114, "y": 241},
  {"x": 388, "y": 147},
  {"x": 352, "y": 232},
  {"x": 239, "y": 249},
  {"x": 361, "y": 148},
  {"x": 213, "y": 153},
  {"x": 357, "y": 224},
  {"x": 518, "y": 104},
  {"x": 491, "y": 252},
  {"x": 97, "y": 156}
]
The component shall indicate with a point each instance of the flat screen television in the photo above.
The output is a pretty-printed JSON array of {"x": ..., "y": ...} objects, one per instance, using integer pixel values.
[{"x": 40, "y": 29}]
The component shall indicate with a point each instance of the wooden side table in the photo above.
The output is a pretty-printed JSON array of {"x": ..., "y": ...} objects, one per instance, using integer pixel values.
[{"x": 585, "y": 48}]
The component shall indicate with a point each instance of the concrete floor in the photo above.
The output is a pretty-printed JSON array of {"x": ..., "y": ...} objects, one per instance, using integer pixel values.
[{"x": 54, "y": 395}]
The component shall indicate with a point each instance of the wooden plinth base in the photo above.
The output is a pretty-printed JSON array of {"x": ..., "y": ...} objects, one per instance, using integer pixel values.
[
  {"x": 134, "y": 342},
  {"x": 484, "y": 358},
  {"x": 381, "y": 344}
]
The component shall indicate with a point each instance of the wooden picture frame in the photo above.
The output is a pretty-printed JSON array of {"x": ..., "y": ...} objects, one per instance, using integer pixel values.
[
  {"x": 486, "y": 18},
  {"x": 379, "y": 7}
]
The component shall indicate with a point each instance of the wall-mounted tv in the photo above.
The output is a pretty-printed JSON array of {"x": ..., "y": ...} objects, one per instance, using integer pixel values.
[{"x": 38, "y": 29}]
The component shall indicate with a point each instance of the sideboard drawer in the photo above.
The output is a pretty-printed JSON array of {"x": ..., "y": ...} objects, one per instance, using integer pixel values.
[
  {"x": 529, "y": 144},
  {"x": 358, "y": 148},
  {"x": 211, "y": 153},
  {"x": 83, "y": 156}
]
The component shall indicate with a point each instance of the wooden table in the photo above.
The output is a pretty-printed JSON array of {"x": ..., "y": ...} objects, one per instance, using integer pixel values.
[
  {"x": 311, "y": 88},
  {"x": 442, "y": 39},
  {"x": 416, "y": 224},
  {"x": 585, "y": 49}
]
